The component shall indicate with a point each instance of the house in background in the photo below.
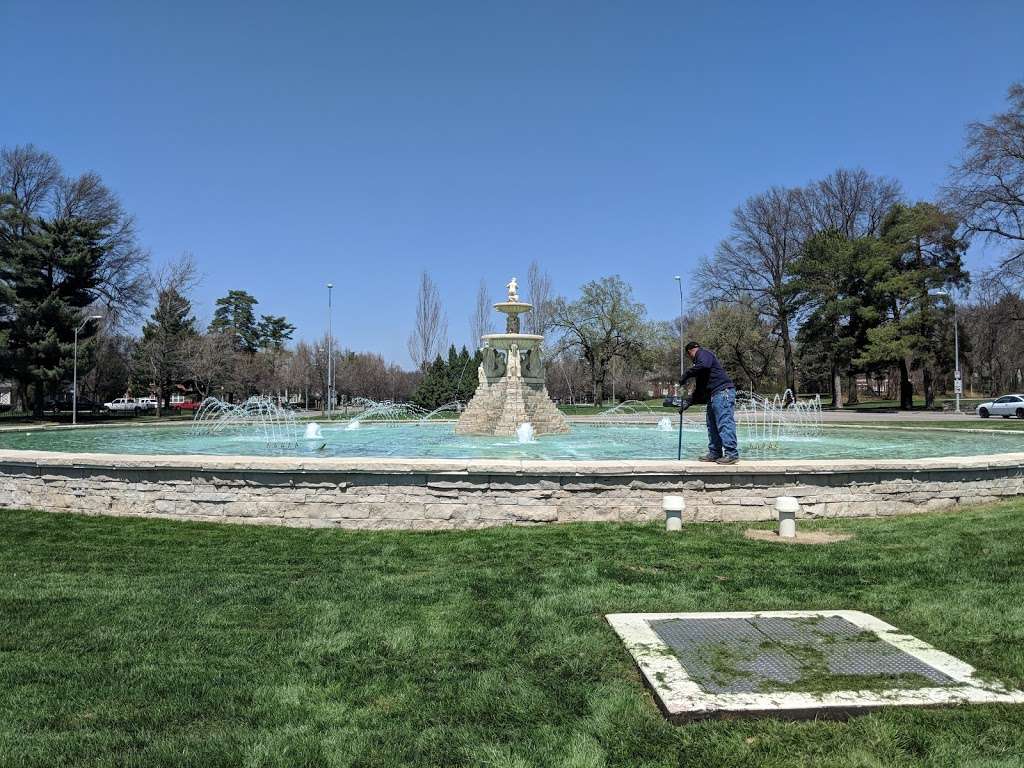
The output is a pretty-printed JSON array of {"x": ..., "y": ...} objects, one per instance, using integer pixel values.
[{"x": 6, "y": 395}]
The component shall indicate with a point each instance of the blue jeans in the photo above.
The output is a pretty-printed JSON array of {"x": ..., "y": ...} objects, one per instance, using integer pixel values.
[{"x": 722, "y": 424}]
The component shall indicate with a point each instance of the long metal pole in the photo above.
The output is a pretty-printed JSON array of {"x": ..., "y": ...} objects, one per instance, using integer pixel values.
[
  {"x": 958, "y": 385},
  {"x": 330, "y": 352},
  {"x": 74, "y": 385},
  {"x": 682, "y": 365},
  {"x": 682, "y": 352}
]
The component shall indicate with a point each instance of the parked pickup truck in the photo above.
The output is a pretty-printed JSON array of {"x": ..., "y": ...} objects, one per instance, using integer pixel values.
[{"x": 134, "y": 404}]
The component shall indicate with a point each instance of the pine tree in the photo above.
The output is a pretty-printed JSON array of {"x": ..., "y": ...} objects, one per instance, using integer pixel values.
[
  {"x": 52, "y": 274},
  {"x": 434, "y": 389},
  {"x": 234, "y": 316},
  {"x": 829, "y": 278},
  {"x": 273, "y": 332},
  {"x": 160, "y": 356},
  {"x": 919, "y": 252},
  {"x": 448, "y": 380}
]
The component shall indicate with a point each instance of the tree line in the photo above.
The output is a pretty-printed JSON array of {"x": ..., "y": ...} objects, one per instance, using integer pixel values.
[{"x": 845, "y": 276}]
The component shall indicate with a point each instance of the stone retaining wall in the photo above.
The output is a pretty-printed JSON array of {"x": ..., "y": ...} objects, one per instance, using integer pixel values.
[{"x": 446, "y": 494}]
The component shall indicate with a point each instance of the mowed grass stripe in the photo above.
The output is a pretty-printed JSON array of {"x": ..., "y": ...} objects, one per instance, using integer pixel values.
[{"x": 138, "y": 642}]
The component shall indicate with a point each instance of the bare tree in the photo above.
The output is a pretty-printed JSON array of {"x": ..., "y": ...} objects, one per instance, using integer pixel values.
[
  {"x": 481, "y": 321},
  {"x": 850, "y": 202},
  {"x": 209, "y": 362},
  {"x": 30, "y": 176},
  {"x": 987, "y": 186},
  {"x": 538, "y": 283},
  {"x": 604, "y": 325},
  {"x": 430, "y": 334},
  {"x": 33, "y": 178},
  {"x": 754, "y": 262},
  {"x": 992, "y": 334}
]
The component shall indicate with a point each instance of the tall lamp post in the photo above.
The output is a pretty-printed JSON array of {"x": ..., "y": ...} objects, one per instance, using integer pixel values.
[
  {"x": 958, "y": 382},
  {"x": 682, "y": 353},
  {"x": 74, "y": 384},
  {"x": 682, "y": 365},
  {"x": 330, "y": 352}
]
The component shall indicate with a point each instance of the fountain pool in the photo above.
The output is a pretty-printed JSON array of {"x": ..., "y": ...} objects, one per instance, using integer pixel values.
[
  {"x": 585, "y": 442},
  {"x": 422, "y": 475}
]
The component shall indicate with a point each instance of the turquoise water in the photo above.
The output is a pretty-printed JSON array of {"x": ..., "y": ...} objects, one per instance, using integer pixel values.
[{"x": 584, "y": 442}]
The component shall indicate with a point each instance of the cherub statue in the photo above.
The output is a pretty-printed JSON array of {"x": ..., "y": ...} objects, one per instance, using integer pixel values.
[{"x": 513, "y": 290}]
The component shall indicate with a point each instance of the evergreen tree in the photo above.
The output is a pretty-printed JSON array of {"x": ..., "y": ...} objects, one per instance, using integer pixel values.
[
  {"x": 462, "y": 376},
  {"x": 160, "y": 357},
  {"x": 448, "y": 380},
  {"x": 273, "y": 332},
  {"x": 829, "y": 278},
  {"x": 434, "y": 389},
  {"x": 235, "y": 317},
  {"x": 919, "y": 251},
  {"x": 51, "y": 270}
]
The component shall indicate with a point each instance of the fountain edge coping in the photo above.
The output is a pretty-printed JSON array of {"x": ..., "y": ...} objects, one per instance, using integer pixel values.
[{"x": 525, "y": 467}]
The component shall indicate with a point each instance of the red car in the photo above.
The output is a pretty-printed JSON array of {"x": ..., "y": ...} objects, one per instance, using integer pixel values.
[{"x": 188, "y": 405}]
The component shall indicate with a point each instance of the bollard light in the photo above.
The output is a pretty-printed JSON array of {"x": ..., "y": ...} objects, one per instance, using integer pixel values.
[
  {"x": 787, "y": 507},
  {"x": 673, "y": 506}
]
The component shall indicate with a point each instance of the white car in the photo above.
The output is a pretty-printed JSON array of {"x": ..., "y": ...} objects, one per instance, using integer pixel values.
[
  {"x": 1005, "y": 406},
  {"x": 131, "y": 404}
]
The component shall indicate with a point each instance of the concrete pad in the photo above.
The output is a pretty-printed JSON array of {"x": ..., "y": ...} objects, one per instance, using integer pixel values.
[{"x": 793, "y": 665}]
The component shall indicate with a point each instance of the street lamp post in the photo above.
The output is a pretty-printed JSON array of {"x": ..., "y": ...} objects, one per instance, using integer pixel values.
[
  {"x": 330, "y": 352},
  {"x": 682, "y": 353},
  {"x": 958, "y": 382},
  {"x": 74, "y": 381},
  {"x": 682, "y": 366}
]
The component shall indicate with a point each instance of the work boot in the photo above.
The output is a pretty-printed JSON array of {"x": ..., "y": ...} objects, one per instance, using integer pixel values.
[
  {"x": 708, "y": 457},
  {"x": 727, "y": 460}
]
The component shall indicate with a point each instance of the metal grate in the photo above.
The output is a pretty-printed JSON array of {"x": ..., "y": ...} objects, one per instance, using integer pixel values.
[{"x": 759, "y": 654}]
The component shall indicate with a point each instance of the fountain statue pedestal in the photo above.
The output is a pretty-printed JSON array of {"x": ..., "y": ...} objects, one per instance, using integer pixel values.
[{"x": 511, "y": 391}]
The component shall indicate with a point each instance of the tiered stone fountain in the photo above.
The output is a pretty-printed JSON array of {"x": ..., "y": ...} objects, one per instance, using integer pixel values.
[{"x": 511, "y": 390}]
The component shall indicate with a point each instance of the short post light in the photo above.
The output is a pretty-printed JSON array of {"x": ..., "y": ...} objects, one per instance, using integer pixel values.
[
  {"x": 673, "y": 506},
  {"x": 787, "y": 507}
]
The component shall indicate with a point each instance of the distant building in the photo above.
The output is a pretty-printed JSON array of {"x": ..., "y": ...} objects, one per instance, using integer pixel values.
[
  {"x": 661, "y": 386},
  {"x": 6, "y": 395}
]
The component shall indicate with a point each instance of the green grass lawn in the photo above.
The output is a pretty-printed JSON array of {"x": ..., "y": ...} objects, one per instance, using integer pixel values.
[
  {"x": 20, "y": 419},
  {"x": 149, "y": 643}
]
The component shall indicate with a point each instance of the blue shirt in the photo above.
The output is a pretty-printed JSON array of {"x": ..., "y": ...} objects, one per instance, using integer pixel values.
[{"x": 709, "y": 375}]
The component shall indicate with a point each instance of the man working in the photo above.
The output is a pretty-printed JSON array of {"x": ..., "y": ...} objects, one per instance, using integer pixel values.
[{"x": 714, "y": 387}]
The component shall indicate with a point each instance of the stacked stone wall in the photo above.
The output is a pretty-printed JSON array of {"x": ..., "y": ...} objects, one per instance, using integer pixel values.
[{"x": 448, "y": 494}]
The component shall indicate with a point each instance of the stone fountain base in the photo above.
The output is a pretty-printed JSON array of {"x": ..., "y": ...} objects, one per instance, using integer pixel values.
[
  {"x": 499, "y": 408},
  {"x": 511, "y": 390}
]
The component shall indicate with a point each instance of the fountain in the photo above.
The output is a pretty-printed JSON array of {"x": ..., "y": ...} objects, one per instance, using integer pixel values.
[
  {"x": 629, "y": 411},
  {"x": 259, "y": 414},
  {"x": 383, "y": 412},
  {"x": 511, "y": 391},
  {"x": 765, "y": 422},
  {"x": 525, "y": 434},
  {"x": 455, "y": 406},
  {"x": 313, "y": 431}
]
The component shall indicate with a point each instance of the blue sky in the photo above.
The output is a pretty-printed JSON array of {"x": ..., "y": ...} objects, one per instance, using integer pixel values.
[{"x": 291, "y": 144}]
